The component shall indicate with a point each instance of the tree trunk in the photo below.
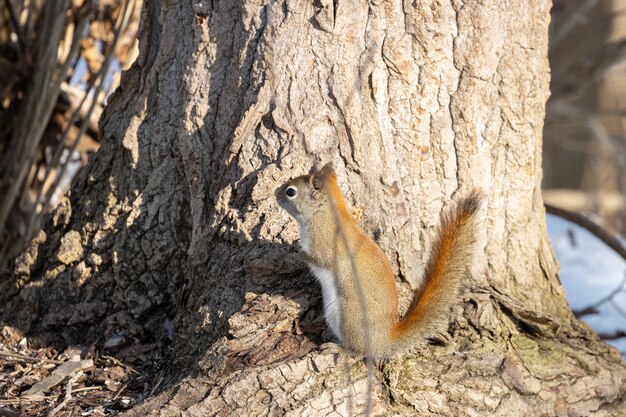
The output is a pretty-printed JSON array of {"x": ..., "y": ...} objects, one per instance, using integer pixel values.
[{"x": 175, "y": 219}]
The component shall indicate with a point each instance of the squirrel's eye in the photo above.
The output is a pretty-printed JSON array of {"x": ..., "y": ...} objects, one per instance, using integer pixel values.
[{"x": 291, "y": 192}]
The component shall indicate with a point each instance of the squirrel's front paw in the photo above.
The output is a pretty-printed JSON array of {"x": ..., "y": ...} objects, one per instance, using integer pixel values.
[{"x": 331, "y": 348}]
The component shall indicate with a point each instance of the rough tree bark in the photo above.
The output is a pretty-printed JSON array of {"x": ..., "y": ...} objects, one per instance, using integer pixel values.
[{"x": 417, "y": 103}]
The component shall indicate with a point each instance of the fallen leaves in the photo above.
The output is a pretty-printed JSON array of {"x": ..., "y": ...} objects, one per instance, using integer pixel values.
[{"x": 77, "y": 381}]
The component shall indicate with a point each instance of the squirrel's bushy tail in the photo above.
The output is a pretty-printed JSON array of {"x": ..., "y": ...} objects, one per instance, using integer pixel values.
[{"x": 449, "y": 262}]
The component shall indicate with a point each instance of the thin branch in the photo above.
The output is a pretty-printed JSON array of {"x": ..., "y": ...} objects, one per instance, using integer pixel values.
[
  {"x": 27, "y": 358},
  {"x": 102, "y": 73},
  {"x": 84, "y": 389},
  {"x": 604, "y": 235},
  {"x": 593, "y": 307},
  {"x": 612, "y": 336},
  {"x": 16, "y": 26},
  {"x": 83, "y": 19},
  {"x": 119, "y": 391},
  {"x": 36, "y": 107},
  {"x": 94, "y": 89}
]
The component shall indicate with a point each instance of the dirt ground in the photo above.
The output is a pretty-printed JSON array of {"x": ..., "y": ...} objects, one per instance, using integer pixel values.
[{"x": 79, "y": 381}]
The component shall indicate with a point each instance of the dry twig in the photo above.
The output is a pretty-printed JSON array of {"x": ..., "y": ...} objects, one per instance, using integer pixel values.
[{"x": 28, "y": 358}]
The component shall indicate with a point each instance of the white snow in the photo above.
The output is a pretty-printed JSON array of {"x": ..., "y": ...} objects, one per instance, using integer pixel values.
[{"x": 590, "y": 271}]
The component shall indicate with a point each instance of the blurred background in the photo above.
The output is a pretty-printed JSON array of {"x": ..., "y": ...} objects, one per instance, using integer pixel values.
[
  {"x": 584, "y": 136},
  {"x": 49, "y": 130},
  {"x": 584, "y": 159}
]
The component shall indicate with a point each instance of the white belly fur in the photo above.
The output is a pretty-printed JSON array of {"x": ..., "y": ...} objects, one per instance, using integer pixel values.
[
  {"x": 326, "y": 279},
  {"x": 331, "y": 299}
]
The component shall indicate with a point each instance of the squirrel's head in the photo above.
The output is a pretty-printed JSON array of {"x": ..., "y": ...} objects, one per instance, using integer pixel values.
[{"x": 306, "y": 195}]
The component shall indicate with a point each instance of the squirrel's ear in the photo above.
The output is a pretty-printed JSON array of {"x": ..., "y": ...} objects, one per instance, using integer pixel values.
[
  {"x": 328, "y": 170},
  {"x": 317, "y": 181},
  {"x": 318, "y": 178}
]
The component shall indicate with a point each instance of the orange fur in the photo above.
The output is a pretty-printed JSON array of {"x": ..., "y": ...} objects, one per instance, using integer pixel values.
[
  {"x": 359, "y": 289},
  {"x": 447, "y": 264}
]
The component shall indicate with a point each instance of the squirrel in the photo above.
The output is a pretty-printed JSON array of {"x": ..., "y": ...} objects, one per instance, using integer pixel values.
[{"x": 356, "y": 277}]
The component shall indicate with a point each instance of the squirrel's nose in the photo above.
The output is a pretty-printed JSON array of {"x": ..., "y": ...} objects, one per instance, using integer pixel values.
[{"x": 279, "y": 193}]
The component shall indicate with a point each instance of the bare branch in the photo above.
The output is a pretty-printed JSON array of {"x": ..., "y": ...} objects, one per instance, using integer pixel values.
[
  {"x": 36, "y": 107},
  {"x": 593, "y": 308},
  {"x": 16, "y": 26},
  {"x": 94, "y": 89},
  {"x": 605, "y": 236}
]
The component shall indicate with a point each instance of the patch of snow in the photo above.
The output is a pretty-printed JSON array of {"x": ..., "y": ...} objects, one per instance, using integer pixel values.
[{"x": 589, "y": 272}]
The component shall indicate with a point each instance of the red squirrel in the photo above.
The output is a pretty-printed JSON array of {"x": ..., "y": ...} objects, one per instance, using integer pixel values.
[{"x": 355, "y": 274}]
